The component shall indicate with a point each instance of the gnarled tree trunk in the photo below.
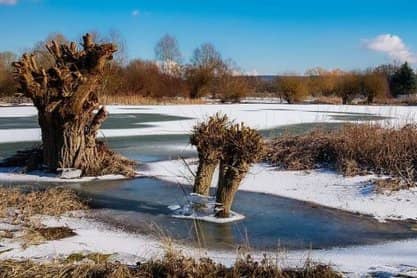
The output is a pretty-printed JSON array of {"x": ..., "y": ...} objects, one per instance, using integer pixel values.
[
  {"x": 68, "y": 108},
  {"x": 230, "y": 178},
  {"x": 204, "y": 177},
  {"x": 208, "y": 137},
  {"x": 243, "y": 146}
]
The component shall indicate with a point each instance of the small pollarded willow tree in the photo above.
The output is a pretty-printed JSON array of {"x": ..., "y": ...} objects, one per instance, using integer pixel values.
[
  {"x": 69, "y": 112},
  {"x": 243, "y": 147},
  {"x": 208, "y": 137}
]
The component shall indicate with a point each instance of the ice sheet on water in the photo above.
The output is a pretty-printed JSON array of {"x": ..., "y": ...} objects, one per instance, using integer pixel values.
[{"x": 199, "y": 207}]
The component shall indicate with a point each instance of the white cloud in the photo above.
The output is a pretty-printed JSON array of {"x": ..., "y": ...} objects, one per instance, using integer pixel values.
[
  {"x": 134, "y": 12},
  {"x": 393, "y": 46},
  {"x": 8, "y": 2}
]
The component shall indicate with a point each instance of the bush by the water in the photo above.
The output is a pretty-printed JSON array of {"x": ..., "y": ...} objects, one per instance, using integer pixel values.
[{"x": 353, "y": 149}]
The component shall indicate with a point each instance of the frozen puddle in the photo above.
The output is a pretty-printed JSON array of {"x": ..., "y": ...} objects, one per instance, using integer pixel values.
[{"x": 198, "y": 207}]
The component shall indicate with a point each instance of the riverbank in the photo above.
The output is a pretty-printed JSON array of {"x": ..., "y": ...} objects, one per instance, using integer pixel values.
[{"x": 92, "y": 237}]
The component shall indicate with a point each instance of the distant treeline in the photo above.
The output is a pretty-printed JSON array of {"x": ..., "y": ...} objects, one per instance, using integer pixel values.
[{"x": 208, "y": 74}]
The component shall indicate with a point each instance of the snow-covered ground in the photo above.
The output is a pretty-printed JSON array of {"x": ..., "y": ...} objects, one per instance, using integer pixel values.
[
  {"x": 9, "y": 175},
  {"x": 392, "y": 257},
  {"x": 260, "y": 116}
]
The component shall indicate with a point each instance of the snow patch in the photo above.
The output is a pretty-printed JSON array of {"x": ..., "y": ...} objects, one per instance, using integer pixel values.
[
  {"x": 259, "y": 116},
  {"x": 8, "y": 175}
]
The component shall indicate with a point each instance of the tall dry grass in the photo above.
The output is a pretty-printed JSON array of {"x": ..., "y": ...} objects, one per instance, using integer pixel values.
[
  {"x": 354, "y": 149},
  {"x": 141, "y": 100},
  {"x": 171, "y": 265}
]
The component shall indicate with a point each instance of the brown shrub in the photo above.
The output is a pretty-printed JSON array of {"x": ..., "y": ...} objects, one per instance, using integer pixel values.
[
  {"x": 292, "y": 88},
  {"x": 232, "y": 88},
  {"x": 302, "y": 152},
  {"x": 354, "y": 149},
  {"x": 141, "y": 78}
]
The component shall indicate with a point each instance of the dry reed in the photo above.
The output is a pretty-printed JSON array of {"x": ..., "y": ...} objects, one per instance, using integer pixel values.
[
  {"x": 354, "y": 149},
  {"x": 141, "y": 100},
  {"x": 171, "y": 265},
  {"x": 17, "y": 203}
]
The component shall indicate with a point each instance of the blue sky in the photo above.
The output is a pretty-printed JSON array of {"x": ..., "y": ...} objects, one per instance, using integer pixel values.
[{"x": 265, "y": 36}]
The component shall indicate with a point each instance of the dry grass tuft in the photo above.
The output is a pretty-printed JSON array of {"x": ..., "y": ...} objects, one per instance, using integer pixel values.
[
  {"x": 390, "y": 184},
  {"x": 111, "y": 163},
  {"x": 6, "y": 234},
  {"x": 35, "y": 236},
  {"x": 21, "y": 205},
  {"x": 353, "y": 150},
  {"x": 55, "y": 233},
  {"x": 327, "y": 100},
  {"x": 97, "y": 258},
  {"x": 29, "y": 269}
]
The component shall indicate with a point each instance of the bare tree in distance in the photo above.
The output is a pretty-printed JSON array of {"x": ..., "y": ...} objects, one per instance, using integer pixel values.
[
  {"x": 6, "y": 59},
  {"x": 206, "y": 56},
  {"x": 8, "y": 86},
  {"x": 168, "y": 53},
  {"x": 116, "y": 38},
  {"x": 206, "y": 64},
  {"x": 41, "y": 54}
]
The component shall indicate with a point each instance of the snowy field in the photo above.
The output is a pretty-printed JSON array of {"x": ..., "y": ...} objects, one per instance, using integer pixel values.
[
  {"x": 259, "y": 116},
  {"x": 354, "y": 194}
]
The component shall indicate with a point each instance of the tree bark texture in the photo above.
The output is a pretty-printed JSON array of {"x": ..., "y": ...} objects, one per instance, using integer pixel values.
[
  {"x": 69, "y": 112},
  {"x": 204, "y": 177},
  {"x": 230, "y": 177}
]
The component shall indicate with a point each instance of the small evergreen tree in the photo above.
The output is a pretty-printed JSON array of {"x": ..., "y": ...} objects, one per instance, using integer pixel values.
[{"x": 404, "y": 81}]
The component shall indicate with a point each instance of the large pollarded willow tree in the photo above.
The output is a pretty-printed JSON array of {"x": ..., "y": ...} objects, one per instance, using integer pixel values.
[
  {"x": 69, "y": 112},
  {"x": 243, "y": 147},
  {"x": 208, "y": 137}
]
